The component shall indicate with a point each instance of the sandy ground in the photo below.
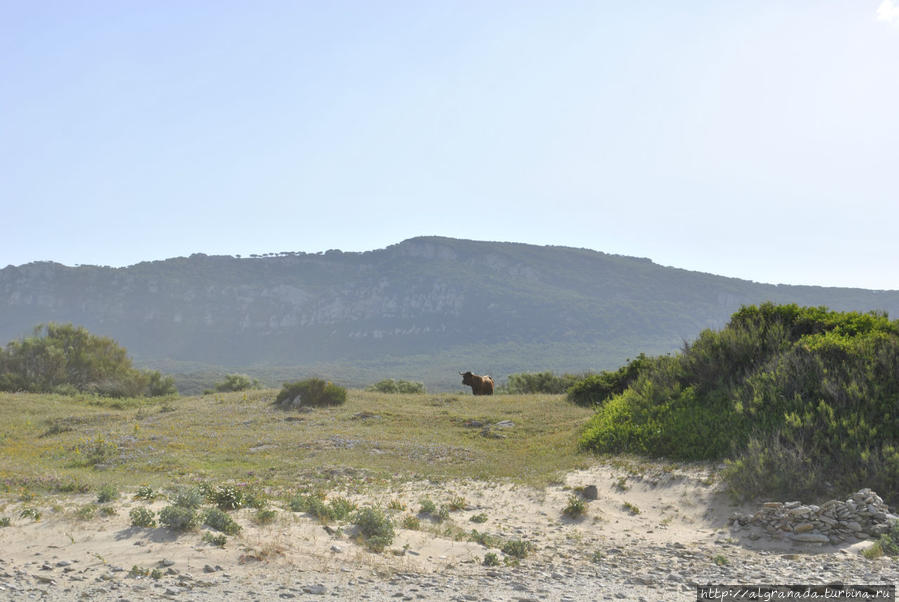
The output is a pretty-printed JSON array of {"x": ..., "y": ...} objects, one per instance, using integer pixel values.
[{"x": 652, "y": 530}]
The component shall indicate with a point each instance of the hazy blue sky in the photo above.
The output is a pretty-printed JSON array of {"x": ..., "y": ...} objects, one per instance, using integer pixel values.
[{"x": 756, "y": 139}]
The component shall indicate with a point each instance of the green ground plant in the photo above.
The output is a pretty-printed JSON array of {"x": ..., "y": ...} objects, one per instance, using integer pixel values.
[
  {"x": 178, "y": 518},
  {"x": 142, "y": 517},
  {"x": 576, "y": 507},
  {"x": 108, "y": 493},
  {"x": 375, "y": 528},
  {"x": 220, "y": 521}
]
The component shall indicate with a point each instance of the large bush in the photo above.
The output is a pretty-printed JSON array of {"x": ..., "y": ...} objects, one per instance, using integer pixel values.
[
  {"x": 67, "y": 359},
  {"x": 802, "y": 401},
  {"x": 597, "y": 388},
  {"x": 310, "y": 392},
  {"x": 541, "y": 382},
  {"x": 388, "y": 385},
  {"x": 237, "y": 382}
]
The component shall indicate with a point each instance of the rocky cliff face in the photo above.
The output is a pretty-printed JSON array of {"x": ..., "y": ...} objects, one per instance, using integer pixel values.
[{"x": 421, "y": 296}]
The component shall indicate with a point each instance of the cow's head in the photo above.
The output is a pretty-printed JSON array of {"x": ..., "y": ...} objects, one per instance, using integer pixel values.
[{"x": 467, "y": 378}]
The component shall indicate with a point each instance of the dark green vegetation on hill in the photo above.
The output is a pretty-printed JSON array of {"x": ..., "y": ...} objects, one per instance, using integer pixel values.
[
  {"x": 68, "y": 359},
  {"x": 421, "y": 310},
  {"x": 805, "y": 401}
]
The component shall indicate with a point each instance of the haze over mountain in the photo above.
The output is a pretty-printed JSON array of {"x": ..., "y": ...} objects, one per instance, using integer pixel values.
[{"x": 422, "y": 309}]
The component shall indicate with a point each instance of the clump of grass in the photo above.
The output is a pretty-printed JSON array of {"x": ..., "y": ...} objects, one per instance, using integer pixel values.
[
  {"x": 265, "y": 516},
  {"x": 426, "y": 506},
  {"x": 886, "y": 545},
  {"x": 137, "y": 571},
  {"x": 458, "y": 503},
  {"x": 442, "y": 513},
  {"x": 596, "y": 556},
  {"x": 86, "y": 512},
  {"x": 375, "y": 528},
  {"x": 215, "y": 540},
  {"x": 396, "y": 505},
  {"x": 107, "y": 493},
  {"x": 96, "y": 451},
  {"x": 491, "y": 559},
  {"x": 631, "y": 508},
  {"x": 621, "y": 484},
  {"x": 720, "y": 560},
  {"x": 517, "y": 548},
  {"x": 485, "y": 539},
  {"x": 4, "y": 521},
  {"x": 478, "y": 518},
  {"x": 338, "y": 508},
  {"x": 178, "y": 518},
  {"x": 32, "y": 513},
  {"x": 576, "y": 507},
  {"x": 411, "y": 522},
  {"x": 220, "y": 521},
  {"x": 142, "y": 517},
  {"x": 873, "y": 552},
  {"x": 107, "y": 511}
]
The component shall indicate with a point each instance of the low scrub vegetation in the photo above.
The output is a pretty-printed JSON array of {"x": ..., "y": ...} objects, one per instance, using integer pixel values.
[
  {"x": 526, "y": 383},
  {"x": 796, "y": 397},
  {"x": 237, "y": 382},
  {"x": 375, "y": 528},
  {"x": 396, "y": 386},
  {"x": 310, "y": 392}
]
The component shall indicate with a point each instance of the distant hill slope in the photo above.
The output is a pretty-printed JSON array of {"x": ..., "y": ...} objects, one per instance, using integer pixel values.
[{"x": 422, "y": 309}]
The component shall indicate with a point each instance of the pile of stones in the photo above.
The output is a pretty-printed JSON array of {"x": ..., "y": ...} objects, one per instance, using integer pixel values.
[{"x": 862, "y": 516}]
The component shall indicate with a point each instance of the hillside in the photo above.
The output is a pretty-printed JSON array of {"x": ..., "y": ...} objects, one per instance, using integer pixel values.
[{"x": 422, "y": 309}]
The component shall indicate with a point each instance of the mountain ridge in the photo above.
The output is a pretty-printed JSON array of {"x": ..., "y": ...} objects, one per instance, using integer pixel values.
[{"x": 427, "y": 299}]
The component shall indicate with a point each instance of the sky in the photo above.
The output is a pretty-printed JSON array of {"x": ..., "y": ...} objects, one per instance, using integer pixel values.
[{"x": 754, "y": 139}]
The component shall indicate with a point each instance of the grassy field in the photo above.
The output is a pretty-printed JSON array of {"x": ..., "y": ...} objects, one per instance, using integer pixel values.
[{"x": 56, "y": 443}]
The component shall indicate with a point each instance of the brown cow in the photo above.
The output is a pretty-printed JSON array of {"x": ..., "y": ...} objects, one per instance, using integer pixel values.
[{"x": 480, "y": 385}]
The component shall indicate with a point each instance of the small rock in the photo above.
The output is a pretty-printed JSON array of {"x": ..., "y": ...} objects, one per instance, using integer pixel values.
[
  {"x": 317, "y": 589},
  {"x": 591, "y": 492}
]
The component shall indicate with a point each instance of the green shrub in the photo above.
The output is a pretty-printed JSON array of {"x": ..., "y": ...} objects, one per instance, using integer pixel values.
[
  {"x": 396, "y": 386},
  {"x": 226, "y": 497},
  {"x": 67, "y": 359},
  {"x": 215, "y": 540},
  {"x": 541, "y": 382},
  {"x": 107, "y": 493},
  {"x": 478, "y": 518},
  {"x": 220, "y": 521},
  {"x": 411, "y": 522},
  {"x": 178, "y": 518},
  {"x": 339, "y": 508},
  {"x": 375, "y": 527},
  {"x": 146, "y": 493},
  {"x": 794, "y": 397},
  {"x": 4, "y": 521},
  {"x": 594, "y": 389},
  {"x": 517, "y": 548},
  {"x": 427, "y": 507},
  {"x": 142, "y": 517},
  {"x": 491, "y": 559},
  {"x": 237, "y": 382},
  {"x": 310, "y": 392},
  {"x": 186, "y": 497}
]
